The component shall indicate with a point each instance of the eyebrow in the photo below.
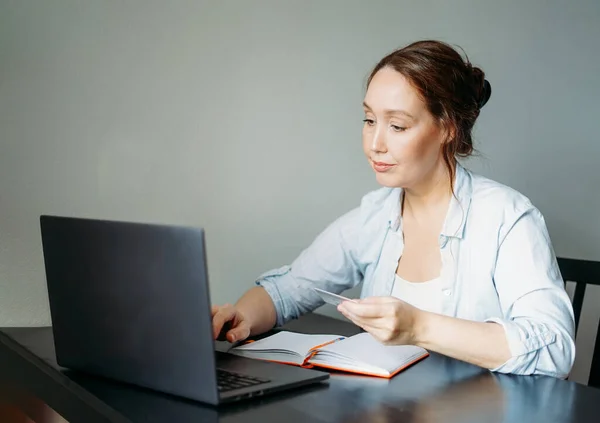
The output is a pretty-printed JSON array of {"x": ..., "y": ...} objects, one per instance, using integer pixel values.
[{"x": 392, "y": 111}]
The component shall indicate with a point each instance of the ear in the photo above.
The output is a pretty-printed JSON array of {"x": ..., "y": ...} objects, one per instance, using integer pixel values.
[{"x": 449, "y": 132}]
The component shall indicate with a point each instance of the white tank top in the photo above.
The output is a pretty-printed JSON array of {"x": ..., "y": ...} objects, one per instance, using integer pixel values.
[{"x": 427, "y": 296}]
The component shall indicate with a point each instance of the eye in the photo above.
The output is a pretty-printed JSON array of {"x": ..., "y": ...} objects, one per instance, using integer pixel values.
[
  {"x": 369, "y": 122},
  {"x": 397, "y": 128}
]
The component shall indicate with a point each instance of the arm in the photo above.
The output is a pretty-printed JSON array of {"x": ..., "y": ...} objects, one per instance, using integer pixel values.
[
  {"x": 537, "y": 312},
  {"x": 328, "y": 263},
  {"x": 253, "y": 314},
  {"x": 482, "y": 344},
  {"x": 395, "y": 322},
  {"x": 285, "y": 293},
  {"x": 258, "y": 310},
  {"x": 535, "y": 334}
]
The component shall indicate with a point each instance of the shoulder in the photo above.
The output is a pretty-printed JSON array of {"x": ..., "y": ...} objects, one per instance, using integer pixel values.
[
  {"x": 497, "y": 196},
  {"x": 498, "y": 204}
]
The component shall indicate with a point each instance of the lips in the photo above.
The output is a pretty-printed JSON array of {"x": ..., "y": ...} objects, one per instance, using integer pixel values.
[{"x": 382, "y": 166}]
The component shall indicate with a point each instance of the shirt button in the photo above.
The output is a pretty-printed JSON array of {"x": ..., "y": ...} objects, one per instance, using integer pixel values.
[{"x": 447, "y": 292}]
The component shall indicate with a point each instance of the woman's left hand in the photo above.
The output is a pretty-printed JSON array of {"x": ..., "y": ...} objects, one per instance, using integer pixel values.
[{"x": 390, "y": 320}]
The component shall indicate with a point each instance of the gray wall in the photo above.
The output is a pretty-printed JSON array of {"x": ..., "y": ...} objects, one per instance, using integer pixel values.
[{"x": 244, "y": 117}]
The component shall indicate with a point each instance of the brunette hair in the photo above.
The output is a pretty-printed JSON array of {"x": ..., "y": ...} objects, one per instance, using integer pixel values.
[{"x": 453, "y": 90}]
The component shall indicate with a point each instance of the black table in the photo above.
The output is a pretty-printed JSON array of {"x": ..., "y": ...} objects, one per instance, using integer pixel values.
[{"x": 437, "y": 389}]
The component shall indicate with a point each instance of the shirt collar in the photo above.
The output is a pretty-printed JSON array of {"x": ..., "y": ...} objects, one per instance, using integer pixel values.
[{"x": 460, "y": 202}]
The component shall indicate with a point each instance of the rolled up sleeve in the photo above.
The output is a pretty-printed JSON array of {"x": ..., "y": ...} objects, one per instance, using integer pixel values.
[
  {"x": 537, "y": 312},
  {"x": 329, "y": 263}
]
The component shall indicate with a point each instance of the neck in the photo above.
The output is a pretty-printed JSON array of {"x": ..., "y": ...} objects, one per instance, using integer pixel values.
[{"x": 434, "y": 191}]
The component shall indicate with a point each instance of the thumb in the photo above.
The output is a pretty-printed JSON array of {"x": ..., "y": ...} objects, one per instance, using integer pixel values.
[{"x": 239, "y": 333}]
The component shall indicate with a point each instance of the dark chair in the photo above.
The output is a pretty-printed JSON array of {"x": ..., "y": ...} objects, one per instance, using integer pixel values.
[{"x": 583, "y": 273}]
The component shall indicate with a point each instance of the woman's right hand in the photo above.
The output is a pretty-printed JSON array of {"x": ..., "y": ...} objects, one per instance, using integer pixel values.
[{"x": 229, "y": 324}]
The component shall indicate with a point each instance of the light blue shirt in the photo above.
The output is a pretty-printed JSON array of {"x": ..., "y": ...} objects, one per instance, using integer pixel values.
[{"x": 498, "y": 265}]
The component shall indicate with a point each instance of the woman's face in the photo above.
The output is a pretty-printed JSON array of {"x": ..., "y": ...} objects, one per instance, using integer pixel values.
[{"x": 401, "y": 139}]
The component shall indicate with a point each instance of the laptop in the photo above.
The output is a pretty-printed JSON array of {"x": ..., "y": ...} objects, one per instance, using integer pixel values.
[{"x": 130, "y": 302}]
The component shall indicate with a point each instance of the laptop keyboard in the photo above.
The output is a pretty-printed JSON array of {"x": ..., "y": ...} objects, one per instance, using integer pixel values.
[{"x": 228, "y": 381}]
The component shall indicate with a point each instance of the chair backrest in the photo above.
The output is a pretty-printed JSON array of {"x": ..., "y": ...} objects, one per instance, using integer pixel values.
[{"x": 583, "y": 273}]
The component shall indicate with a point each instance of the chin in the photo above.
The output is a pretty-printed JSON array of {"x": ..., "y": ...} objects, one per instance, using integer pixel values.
[{"x": 389, "y": 180}]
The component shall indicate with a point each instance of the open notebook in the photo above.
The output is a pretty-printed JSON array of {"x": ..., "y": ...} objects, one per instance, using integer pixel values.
[{"x": 357, "y": 354}]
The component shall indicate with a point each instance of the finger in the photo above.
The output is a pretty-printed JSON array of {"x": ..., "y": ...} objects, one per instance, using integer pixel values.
[
  {"x": 378, "y": 327},
  {"x": 239, "y": 333},
  {"x": 215, "y": 308},
  {"x": 378, "y": 334},
  {"x": 378, "y": 323},
  {"x": 225, "y": 314},
  {"x": 357, "y": 320},
  {"x": 364, "y": 309},
  {"x": 378, "y": 300}
]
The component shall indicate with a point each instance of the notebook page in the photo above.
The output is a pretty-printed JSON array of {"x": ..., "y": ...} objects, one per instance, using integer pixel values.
[
  {"x": 280, "y": 356},
  {"x": 336, "y": 361},
  {"x": 299, "y": 343},
  {"x": 366, "y": 350}
]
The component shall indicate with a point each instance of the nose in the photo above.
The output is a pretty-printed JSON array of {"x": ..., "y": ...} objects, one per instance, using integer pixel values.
[{"x": 378, "y": 141}]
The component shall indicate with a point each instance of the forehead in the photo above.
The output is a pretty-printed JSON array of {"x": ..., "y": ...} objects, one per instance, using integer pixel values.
[{"x": 390, "y": 90}]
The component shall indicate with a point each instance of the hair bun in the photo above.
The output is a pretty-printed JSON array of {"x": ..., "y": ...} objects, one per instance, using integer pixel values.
[
  {"x": 486, "y": 93},
  {"x": 482, "y": 87}
]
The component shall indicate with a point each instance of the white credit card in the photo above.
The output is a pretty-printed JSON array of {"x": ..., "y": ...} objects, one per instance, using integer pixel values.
[{"x": 330, "y": 297}]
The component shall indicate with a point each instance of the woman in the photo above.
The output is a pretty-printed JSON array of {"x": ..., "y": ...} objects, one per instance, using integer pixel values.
[{"x": 449, "y": 260}]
